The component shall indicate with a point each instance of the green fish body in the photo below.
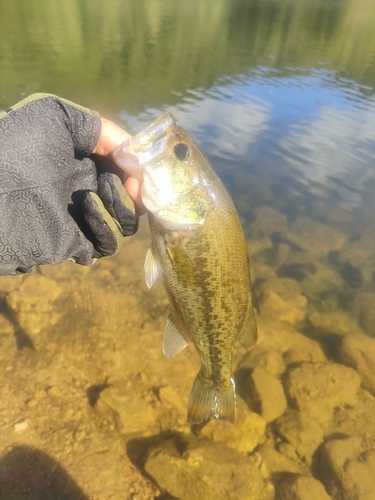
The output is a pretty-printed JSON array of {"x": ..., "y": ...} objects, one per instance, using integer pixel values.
[{"x": 199, "y": 251}]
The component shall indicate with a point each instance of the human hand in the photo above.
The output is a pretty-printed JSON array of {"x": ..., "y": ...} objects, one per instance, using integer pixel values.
[{"x": 47, "y": 171}]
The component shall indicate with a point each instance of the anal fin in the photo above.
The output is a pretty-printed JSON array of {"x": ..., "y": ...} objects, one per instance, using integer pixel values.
[{"x": 175, "y": 338}]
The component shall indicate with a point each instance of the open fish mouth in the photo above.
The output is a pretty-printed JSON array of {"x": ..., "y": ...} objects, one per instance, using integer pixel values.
[{"x": 144, "y": 147}]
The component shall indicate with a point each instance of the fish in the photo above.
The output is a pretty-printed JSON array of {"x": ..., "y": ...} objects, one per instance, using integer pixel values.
[{"x": 199, "y": 251}]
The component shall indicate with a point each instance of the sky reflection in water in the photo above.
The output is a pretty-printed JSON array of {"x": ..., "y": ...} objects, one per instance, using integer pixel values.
[{"x": 315, "y": 129}]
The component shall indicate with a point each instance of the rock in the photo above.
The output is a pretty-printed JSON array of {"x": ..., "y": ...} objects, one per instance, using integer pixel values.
[
  {"x": 301, "y": 431},
  {"x": 6, "y": 327},
  {"x": 130, "y": 412},
  {"x": 276, "y": 462},
  {"x": 335, "y": 322},
  {"x": 265, "y": 357},
  {"x": 317, "y": 238},
  {"x": 364, "y": 308},
  {"x": 265, "y": 394},
  {"x": 358, "y": 251},
  {"x": 21, "y": 426},
  {"x": 301, "y": 488},
  {"x": 171, "y": 399},
  {"x": 283, "y": 338},
  {"x": 33, "y": 303},
  {"x": 275, "y": 307},
  {"x": 279, "y": 299},
  {"x": 358, "y": 351},
  {"x": 258, "y": 246},
  {"x": 192, "y": 469},
  {"x": 245, "y": 435},
  {"x": 346, "y": 468},
  {"x": 268, "y": 221},
  {"x": 317, "y": 388}
]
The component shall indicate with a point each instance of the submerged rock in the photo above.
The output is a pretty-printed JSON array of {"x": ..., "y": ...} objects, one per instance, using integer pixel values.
[
  {"x": 265, "y": 357},
  {"x": 301, "y": 488},
  {"x": 195, "y": 469},
  {"x": 364, "y": 308},
  {"x": 303, "y": 432},
  {"x": 246, "y": 433},
  {"x": 129, "y": 412},
  {"x": 266, "y": 394},
  {"x": 276, "y": 462},
  {"x": 358, "y": 351},
  {"x": 317, "y": 238},
  {"x": 32, "y": 303},
  {"x": 317, "y": 388},
  {"x": 346, "y": 467}
]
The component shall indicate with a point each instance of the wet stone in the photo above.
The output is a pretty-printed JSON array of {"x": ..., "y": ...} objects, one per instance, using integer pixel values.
[
  {"x": 192, "y": 469},
  {"x": 280, "y": 300},
  {"x": 268, "y": 221},
  {"x": 346, "y": 468},
  {"x": 301, "y": 431},
  {"x": 33, "y": 303},
  {"x": 265, "y": 394},
  {"x": 244, "y": 435},
  {"x": 262, "y": 356},
  {"x": 317, "y": 388},
  {"x": 358, "y": 351},
  {"x": 364, "y": 308},
  {"x": 127, "y": 411},
  {"x": 276, "y": 462},
  {"x": 317, "y": 238},
  {"x": 301, "y": 488},
  {"x": 294, "y": 346}
]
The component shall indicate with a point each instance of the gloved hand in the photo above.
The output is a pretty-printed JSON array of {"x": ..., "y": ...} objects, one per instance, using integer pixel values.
[{"x": 53, "y": 205}]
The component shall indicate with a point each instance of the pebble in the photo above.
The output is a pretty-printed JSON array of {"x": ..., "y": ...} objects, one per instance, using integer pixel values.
[{"x": 21, "y": 426}]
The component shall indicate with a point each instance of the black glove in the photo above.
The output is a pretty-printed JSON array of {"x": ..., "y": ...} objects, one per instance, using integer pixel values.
[{"x": 50, "y": 199}]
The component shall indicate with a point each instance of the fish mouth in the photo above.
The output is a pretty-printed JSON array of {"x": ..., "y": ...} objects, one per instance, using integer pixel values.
[{"x": 138, "y": 150}]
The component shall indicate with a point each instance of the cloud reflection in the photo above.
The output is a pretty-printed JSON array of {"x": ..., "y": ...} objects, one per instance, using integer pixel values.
[{"x": 316, "y": 129}]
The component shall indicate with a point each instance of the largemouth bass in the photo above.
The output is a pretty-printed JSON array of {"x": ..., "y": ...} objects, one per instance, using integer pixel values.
[{"x": 199, "y": 250}]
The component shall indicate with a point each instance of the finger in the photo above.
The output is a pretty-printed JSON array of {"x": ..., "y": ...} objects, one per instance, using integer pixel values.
[
  {"x": 133, "y": 187},
  {"x": 111, "y": 136}
]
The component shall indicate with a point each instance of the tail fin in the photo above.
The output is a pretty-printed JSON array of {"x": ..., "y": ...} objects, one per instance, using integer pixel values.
[{"x": 210, "y": 401}]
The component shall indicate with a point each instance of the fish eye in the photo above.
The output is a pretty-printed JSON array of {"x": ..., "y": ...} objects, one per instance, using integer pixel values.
[{"x": 181, "y": 151}]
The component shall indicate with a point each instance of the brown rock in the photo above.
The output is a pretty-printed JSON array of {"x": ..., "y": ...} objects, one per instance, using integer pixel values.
[
  {"x": 194, "y": 469},
  {"x": 317, "y": 388},
  {"x": 358, "y": 351},
  {"x": 301, "y": 431},
  {"x": 266, "y": 394},
  {"x": 346, "y": 468},
  {"x": 364, "y": 308},
  {"x": 244, "y": 436},
  {"x": 301, "y": 488},
  {"x": 318, "y": 239}
]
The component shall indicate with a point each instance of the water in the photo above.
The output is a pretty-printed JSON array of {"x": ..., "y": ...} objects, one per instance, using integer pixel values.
[{"x": 280, "y": 96}]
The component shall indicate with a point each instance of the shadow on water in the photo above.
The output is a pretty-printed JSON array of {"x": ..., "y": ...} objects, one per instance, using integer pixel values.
[{"x": 29, "y": 474}]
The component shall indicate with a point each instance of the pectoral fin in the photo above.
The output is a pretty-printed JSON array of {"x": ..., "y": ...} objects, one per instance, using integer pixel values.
[
  {"x": 175, "y": 338},
  {"x": 249, "y": 334},
  {"x": 151, "y": 267}
]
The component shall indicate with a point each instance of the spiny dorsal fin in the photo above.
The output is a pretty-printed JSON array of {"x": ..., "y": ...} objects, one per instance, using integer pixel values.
[
  {"x": 151, "y": 267},
  {"x": 249, "y": 334},
  {"x": 175, "y": 338}
]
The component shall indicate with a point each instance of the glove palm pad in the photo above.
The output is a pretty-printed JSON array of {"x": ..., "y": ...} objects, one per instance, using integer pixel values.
[{"x": 109, "y": 215}]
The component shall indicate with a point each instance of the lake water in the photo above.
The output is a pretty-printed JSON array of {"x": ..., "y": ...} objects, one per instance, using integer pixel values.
[{"x": 280, "y": 96}]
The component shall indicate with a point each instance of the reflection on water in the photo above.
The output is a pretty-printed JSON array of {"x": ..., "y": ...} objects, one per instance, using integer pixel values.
[{"x": 280, "y": 95}]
